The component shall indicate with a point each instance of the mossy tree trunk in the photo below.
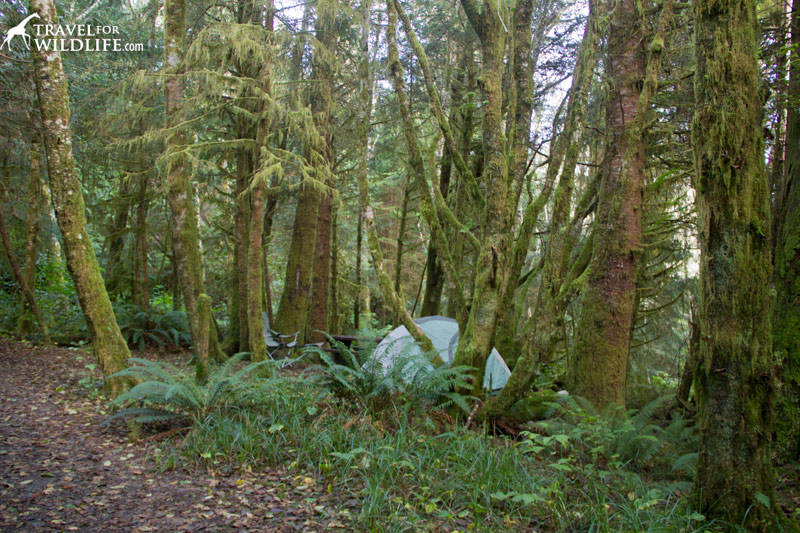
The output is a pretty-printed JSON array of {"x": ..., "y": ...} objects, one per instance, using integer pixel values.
[
  {"x": 786, "y": 327},
  {"x": 141, "y": 292},
  {"x": 51, "y": 86},
  {"x": 491, "y": 274},
  {"x": 321, "y": 150},
  {"x": 308, "y": 265},
  {"x": 563, "y": 154},
  {"x": 185, "y": 238},
  {"x": 35, "y": 196},
  {"x": 733, "y": 380},
  {"x": 565, "y": 150},
  {"x": 255, "y": 274},
  {"x": 364, "y": 113},
  {"x": 598, "y": 368},
  {"x": 25, "y": 288}
]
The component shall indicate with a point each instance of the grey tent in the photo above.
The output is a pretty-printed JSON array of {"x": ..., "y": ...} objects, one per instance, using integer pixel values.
[{"x": 443, "y": 333}]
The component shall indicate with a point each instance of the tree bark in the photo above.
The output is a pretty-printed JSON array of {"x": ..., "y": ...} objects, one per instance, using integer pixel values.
[
  {"x": 598, "y": 368},
  {"x": 25, "y": 322},
  {"x": 185, "y": 238},
  {"x": 491, "y": 273},
  {"x": 27, "y": 291},
  {"x": 321, "y": 150},
  {"x": 141, "y": 292},
  {"x": 733, "y": 382},
  {"x": 51, "y": 86},
  {"x": 786, "y": 327}
]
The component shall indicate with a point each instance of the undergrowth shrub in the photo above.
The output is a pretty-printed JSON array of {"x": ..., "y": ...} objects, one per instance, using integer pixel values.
[
  {"x": 154, "y": 325},
  {"x": 412, "y": 379},
  {"x": 164, "y": 392},
  {"x": 633, "y": 439},
  {"x": 415, "y": 469}
]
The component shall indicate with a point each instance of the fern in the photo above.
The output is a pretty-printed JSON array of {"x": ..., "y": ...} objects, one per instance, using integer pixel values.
[
  {"x": 617, "y": 436},
  {"x": 412, "y": 378},
  {"x": 164, "y": 389}
]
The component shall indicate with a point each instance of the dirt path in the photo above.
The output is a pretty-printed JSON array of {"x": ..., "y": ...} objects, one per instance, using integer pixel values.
[{"x": 61, "y": 471}]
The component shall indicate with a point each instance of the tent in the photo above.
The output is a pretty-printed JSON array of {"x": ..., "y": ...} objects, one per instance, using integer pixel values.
[{"x": 443, "y": 333}]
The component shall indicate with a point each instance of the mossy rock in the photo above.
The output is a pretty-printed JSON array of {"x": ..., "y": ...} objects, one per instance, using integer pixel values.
[{"x": 534, "y": 406}]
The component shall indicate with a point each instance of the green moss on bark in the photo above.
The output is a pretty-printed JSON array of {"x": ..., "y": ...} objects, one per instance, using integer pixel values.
[
  {"x": 51, "y": 85},
  {"x": 733, "y": 381}
]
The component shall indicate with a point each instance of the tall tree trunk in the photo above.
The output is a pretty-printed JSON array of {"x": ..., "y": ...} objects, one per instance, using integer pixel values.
[
  {"x": 321, "y": 148},
  {"x": 333, "y": 298},
  {"x": 51, "y": 87},
  {"x": 733, "y": 382},
  {"x": 565, "y": 150},
  {"x": 185, "y": 238},
  {"x": 141, "y": 293},
  {"x": 491, "y": 272},
  {"x": 244, "y": 173},
  {"x": 598, "y": 368},
  {"x": 309, "y": 262},
  {"x": 114, "y": 267},
  {"x": 26, "y": 316},
  {"x": 27, "y": 291},
  {"x": 786, "y": 327},
  {"x": 401, "y": 233},
  {"x": 359, "y": 240},
  {"x": 255, "y": 275},
  {"x": 364, "y": 113}
]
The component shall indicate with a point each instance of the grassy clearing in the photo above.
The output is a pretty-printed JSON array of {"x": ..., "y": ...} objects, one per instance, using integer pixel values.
[{"x": 410, "y": 466}]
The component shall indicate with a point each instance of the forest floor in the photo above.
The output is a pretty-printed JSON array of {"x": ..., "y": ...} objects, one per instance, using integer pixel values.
[{"x": 61, "y": 470}]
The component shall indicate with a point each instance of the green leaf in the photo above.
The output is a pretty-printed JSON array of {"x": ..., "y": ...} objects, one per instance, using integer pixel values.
[{"x": 763, "y": 499}]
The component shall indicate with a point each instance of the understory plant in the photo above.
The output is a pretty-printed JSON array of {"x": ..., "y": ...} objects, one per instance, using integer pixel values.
[
  {"x": 411, "y": 378},
  {"x": 154, "y": 326},
  {"x": 165, "y": 392}
]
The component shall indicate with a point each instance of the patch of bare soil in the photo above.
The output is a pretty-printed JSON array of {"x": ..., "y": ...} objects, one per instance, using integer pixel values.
[{"x": 60, "y": 470}]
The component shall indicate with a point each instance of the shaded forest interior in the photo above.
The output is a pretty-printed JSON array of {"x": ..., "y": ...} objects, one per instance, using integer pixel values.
[{"x": 603, "y": 193}]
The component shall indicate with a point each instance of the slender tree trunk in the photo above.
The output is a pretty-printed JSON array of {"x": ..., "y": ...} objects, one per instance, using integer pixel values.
[
  {"x": 185, "y": 238},
  {"x": 598, "y": 368},
  {"x": 491, "y": 272},
  {"x": 733, "y": 383},
  {"x": 364, "y": 113},
  {"x": 359, "y": 241},
  {"x": 51, "y": 86},
  {"x": 255, "y": 274},
  {"x": 26, "y": 316},
  {"x": 244, "y": 172},
  {"x": 786, "y": 328},
  {"x": 141, "y": 293},
  {"x": 322, "y": 156},
  {"x": 115, "y": 268},
  {"x": 401, "y": 233},
  {"x": 564, "y": 153},
  {"x": 333, "y": 312},
  {"x": 27, "y": 291}
]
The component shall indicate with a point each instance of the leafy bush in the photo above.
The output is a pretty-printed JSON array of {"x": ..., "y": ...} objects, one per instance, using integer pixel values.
[
  {"x": 156, "y": 326},
  {"x": 617, "y": 437},
  {"x": 362, "y": 380},
  {"x": 165, "y": 392}
]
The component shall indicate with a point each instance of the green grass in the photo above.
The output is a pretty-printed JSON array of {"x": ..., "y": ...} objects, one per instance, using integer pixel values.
[
  {"x": 420, "y": 473},
  {"x": 411, "y": 467}
]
